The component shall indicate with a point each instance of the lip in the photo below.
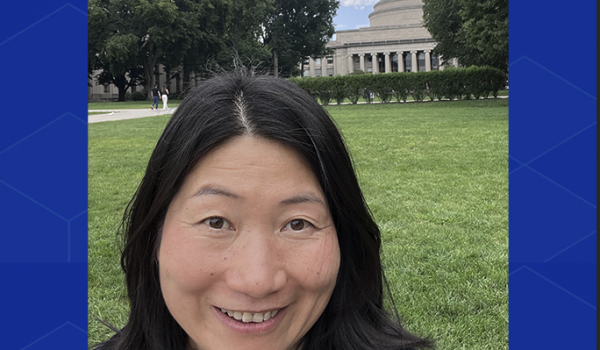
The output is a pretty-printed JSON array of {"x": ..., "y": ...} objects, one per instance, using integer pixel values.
[{"x": 250, "y": 327}]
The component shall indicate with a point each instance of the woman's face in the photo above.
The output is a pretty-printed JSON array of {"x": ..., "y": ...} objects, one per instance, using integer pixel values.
[{"x": 249, "y": 254}]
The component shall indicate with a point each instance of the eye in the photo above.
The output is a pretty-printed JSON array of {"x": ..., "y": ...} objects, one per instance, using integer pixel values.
[
  {"x": 217, "y": 223},
  {"x": 297, "y": 225}
]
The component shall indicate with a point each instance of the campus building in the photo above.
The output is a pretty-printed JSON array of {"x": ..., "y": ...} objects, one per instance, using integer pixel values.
[{"x": 395, "y": 41}]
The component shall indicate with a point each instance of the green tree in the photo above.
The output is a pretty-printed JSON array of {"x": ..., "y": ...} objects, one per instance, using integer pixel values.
[
  {"x": 111, "y": 52},
  {"x": 128, "y": 34},
  {"x": 486, "y": 27},
  {"x": 295, "y": 29},
  {"x": 199, "y": 28},
  {"x": 242, "y": 42},
  {"x": 474, "y": 31},
  {"x": 132, "y": 34}
]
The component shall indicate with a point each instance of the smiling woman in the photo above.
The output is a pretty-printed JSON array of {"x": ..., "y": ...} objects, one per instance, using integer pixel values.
[
  {"x": 249, "y": 231},
  {"x": 248, "y": 242}
]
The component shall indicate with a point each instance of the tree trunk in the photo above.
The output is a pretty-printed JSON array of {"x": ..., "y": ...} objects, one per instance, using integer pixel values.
[
  {"x": 149, "y": 75},
  {"x": 122, "y": 94},
  {"x": 275, "y": 64},
  {"x": 168, "y": 78},
  {"x": 186, "y": 79},
  {"x": 122, "y": 85},
  {"x": 157, "y": 75}
]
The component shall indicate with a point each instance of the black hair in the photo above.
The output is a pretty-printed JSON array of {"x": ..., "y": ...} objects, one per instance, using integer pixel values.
[{"x": 238, "y": 104}]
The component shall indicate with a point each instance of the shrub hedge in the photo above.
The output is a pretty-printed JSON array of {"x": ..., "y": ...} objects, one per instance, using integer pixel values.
[
  {"x": 450, "y": 83},
  {"x": 140, "y": 95}
]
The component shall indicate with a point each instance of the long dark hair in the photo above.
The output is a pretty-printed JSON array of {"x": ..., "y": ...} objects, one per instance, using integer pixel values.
[{"x": 237, "y": 104}]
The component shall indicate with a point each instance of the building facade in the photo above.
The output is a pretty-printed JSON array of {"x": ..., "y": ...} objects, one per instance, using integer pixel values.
[{"x": 395, "y": 41}]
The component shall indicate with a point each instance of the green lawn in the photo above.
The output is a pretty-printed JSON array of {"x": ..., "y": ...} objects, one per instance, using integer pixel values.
[
  {"x": 130, "y": 105},
  {"x": 435, "y": 176}
]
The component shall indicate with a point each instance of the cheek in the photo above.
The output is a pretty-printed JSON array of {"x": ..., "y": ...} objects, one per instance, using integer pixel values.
[
  {"x": 318, "y": 266},
  {"x": 184, "y": 265}
]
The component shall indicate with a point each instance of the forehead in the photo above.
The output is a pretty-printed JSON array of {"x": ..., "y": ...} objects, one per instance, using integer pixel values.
[{"x": 249, "y": 163}]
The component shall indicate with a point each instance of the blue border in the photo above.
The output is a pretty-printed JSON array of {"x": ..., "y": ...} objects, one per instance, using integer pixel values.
[
  {"x": 552, "y": 175},
  {"x": 43, "y": 175}
]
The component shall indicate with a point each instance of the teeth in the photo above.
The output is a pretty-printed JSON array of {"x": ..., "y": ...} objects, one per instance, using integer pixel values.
[
  {"x": 248, "y": 317},
  {"x": 257, "y": 317}
]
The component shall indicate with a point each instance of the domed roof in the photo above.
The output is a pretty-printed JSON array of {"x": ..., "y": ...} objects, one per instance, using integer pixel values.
[
  {"x": 397, "y": 12},
  {"x": 384, "y": 1}
]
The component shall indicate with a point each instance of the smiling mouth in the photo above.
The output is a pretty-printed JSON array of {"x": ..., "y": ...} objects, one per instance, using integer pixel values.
[{"x": 250, "y": 317}]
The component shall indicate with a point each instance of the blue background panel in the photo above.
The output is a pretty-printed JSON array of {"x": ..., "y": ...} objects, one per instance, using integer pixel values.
[
  {"x": 43, "y": 175},
  {"x": 552, "y": 175}
]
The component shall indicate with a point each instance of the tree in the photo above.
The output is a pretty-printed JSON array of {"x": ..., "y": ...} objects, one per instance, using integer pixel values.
[
  {"x": 110, "y": 51},
  {"x": 486, "y": 26},
  {"x": 143, "y": 33},
  {"x": 125, "y": 35},
  {"x": 242, "y": 44},
  {"x": 295, "y": 29},
  {"x": 199, "y": 28},
  {"x": 473, "y": 31}
]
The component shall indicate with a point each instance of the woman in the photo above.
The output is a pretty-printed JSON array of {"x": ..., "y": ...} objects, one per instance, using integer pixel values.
[
  {"x": 165, "y": 97},
  {"x": 249, "y": 230}
]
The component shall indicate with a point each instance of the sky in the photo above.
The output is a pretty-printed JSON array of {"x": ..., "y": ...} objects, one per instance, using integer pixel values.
[{"x": 353, "y": 14}]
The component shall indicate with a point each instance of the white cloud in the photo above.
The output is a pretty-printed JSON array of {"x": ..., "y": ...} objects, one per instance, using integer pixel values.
[{"x": 359, "y": 4}]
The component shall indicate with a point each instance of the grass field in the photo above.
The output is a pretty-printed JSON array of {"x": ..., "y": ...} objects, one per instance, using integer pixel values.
[{"x": 435, "y": 176}]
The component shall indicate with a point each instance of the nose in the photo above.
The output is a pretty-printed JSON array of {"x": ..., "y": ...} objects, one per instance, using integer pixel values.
[{"x": 256, "y": 267}]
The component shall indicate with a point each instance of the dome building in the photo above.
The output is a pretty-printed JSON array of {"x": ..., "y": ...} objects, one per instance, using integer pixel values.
[{"x": 395, "y": 41}]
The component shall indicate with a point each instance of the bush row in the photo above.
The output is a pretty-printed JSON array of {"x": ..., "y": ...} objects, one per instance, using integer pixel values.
[{"x": 450, "y": 83}]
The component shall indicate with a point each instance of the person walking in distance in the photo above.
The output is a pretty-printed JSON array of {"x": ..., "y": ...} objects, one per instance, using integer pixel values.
[
  {"x": 165, "y": 97},
  {"x": 155, "y": 97}
]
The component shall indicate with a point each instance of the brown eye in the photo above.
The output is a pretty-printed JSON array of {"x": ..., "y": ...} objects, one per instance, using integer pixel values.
[
  {"x": 217, "y": 223},
  {"x": 297, "y": 225}
]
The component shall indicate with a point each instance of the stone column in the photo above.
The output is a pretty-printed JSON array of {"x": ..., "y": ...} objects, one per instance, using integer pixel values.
[
  {"x": 388, "y": 62},
  {"x": 311, "y": 66},
  {"x": 335, "y": 68},
  {"x": 427, "y": 60},
  {"x": 400, "y": 61},
  {"x": 350, "y": 64},
  {"x": 375, "y": 63},
  {"x": 362, "y": 62},
  {"x": 455, "y": 62},
  {"x": 440, "y": 60},
  {"x": 415, "y": 64}
]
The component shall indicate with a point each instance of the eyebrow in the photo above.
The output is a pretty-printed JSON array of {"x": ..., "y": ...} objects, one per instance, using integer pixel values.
[
  {"x": 209, "y": 190},
  {"x": 303, "y": 198}
]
